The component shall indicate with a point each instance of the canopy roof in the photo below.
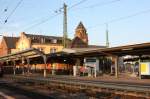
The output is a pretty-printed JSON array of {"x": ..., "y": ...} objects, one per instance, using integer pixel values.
[
  {"x": 28, "y": 53},
  {"x": 136, "y": 49}
]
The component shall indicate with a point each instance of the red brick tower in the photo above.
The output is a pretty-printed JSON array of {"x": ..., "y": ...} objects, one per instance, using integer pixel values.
[{"x": 80, "y": 32}]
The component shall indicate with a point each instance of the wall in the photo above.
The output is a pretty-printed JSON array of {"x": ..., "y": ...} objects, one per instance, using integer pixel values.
[
  {"x": 46, "y": 47},
  {"x": 3, "y": 48},
  {"x": 23, "y": 43}
]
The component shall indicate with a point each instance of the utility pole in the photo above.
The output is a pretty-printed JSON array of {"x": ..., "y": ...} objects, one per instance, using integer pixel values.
[
  {"x": 107, "y": 36},
  {"x": 65, "y": 26}
]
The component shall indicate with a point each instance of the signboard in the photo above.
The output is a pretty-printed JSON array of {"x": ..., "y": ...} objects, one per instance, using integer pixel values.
[
  {"x": 91, "y": 62},
  {"x": 145, "y": 68}
]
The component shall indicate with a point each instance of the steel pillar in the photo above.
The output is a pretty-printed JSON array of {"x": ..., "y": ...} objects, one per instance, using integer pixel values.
[
  {"x": 14, "y": 68},
  {"x": 28, "y": 65},
  {"x": 45, "y": 62},
  {"x": 116, "y": 67},
  {"x": 23, "y": 66},
  {"x": 139, "y": 67}
]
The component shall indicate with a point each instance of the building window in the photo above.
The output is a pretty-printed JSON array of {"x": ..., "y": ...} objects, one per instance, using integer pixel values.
[
  {"x": 42, "y": 40},
  {"x": 41, "y": 49},
  {"x": 35, "y": 40},
  {"x": 54, "y": 41},
  {"x": 52, "y": 50},
  {"x": 59, "y": 41},
  {"x": 47, "y": 40}
]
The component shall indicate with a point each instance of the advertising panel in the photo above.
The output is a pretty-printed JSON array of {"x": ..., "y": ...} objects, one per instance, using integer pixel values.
[{"x": 145, "y": 68}]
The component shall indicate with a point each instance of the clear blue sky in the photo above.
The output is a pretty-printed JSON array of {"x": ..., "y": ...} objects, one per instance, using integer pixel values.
[{"x": 128, "y": 31}]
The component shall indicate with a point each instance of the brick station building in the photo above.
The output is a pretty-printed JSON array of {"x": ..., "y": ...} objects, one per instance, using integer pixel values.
[{"x": 48, "y": 45}]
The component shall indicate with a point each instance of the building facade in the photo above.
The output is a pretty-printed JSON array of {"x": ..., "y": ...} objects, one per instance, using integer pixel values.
[
  {"x": 47, "y": 44},
  {"x": 8, "y": 45}
]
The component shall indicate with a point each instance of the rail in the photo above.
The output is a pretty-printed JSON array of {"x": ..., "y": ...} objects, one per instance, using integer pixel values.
[{"x": 138, "y": 89}]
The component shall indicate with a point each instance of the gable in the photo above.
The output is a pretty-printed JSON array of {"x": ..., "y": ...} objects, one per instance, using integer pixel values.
[
  {"x": 11, "y": 42},
  {"x": 3, "y": 44},
  {"x": 23, "y": 42}
]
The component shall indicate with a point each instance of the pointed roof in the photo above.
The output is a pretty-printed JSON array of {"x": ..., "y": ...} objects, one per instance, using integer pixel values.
[
  {"x": 80, "y": 26},
  {"x": 10, "y": 41}
]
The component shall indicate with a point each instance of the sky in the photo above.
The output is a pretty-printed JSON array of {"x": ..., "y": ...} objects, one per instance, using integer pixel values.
[{"x": 128, "y": 20}]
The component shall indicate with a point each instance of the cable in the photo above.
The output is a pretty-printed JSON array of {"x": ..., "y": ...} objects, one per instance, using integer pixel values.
[
  {"x": 5, "y": 10},
  {"x": 121, "y": 18},
  {"x": 41, "y": 22},
  {"x": 101, "y": 4},
  {"x": 98, "y": 4},
  {"x": 7, "y": 7},
  {"x": 49, "y": 18},
  {"x": 77, "y": 4},
  {"x": 13, "y": 11}
]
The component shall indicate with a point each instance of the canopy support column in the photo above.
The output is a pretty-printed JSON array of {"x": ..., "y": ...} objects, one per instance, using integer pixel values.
[
  {"x": 28, "y": 65},
  {"x": 116, "y": 66},
  {"x": 14, "y": 67},
  {"x": 139, "y": 67},
  {"x": 23, "y": 66},
  {"x": 77, "y": 64},
  {"x": 45, "y": 64}
]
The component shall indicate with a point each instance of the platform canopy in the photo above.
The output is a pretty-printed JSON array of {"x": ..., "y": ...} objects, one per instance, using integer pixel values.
[
  {"x": 136, "y": 49},
  {"x": 28, "y": 53},
  {"x": 75, "y": 52}
]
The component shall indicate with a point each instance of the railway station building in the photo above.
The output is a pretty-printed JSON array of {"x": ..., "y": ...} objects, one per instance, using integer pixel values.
[
  {"x": 46, "y": 55},
  {"x": 48, "y": 45}
]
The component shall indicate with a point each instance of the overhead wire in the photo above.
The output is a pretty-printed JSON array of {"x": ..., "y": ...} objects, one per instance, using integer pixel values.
[
  {"x": 101, "y": 4},
  {"x": 121, "y": 18},
  {"x": 6, "y": 8},
  {"x": 98, "y": 5},
  {"x": 49, "y": 18},
  {"x": 41, "y": 22},
  {"x": 13, "y": 11},
  {"x": 82, "y": 1}
]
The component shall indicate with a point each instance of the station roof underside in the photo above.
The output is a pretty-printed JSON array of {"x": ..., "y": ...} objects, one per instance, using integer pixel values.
[
  {"x": 28, "y": 53},
  {"x": 137, "y": 50}
]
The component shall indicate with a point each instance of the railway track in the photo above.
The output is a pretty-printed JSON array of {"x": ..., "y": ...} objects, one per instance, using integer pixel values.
[
  {"x": 31, "y": 94},
  {"x": 114, "y": 87}
]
